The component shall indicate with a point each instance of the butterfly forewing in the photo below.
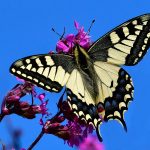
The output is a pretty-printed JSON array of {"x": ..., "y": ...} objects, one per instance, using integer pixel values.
[
  {"x": 51, "y": 72},
  {"x": 117, "y": 90},
  {"x": 124, "y": 45}
]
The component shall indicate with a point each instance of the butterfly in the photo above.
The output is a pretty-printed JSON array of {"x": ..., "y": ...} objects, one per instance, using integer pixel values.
[{"x": 98, "y": 89}]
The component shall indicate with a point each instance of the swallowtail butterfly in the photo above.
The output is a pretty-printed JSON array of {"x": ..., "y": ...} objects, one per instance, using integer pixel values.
[{"x": 97, "y": 87}]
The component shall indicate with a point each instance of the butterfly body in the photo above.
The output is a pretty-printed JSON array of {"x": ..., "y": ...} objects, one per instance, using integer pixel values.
[
  {"x": 98, "y": 89},
  {"x": 85, "y": 67}
]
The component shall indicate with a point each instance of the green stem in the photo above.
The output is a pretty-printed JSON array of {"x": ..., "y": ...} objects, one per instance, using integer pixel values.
[
  {"x": 1, "y": 117},
  {"x": 36, "y": 140}
]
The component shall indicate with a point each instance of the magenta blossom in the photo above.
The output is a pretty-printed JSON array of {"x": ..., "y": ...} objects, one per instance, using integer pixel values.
[
  {"x": 41, "y": 96},
  {"x": 43, "y": 106},
  {"x": 91, "y": 143},
  {"x": 72, "y": 133},
  {"x": 13, "y": 96},
  {"x": 67, "y": 44},
  {"x": 77, "y": 133},
  {"x": 12, "y": 102}
]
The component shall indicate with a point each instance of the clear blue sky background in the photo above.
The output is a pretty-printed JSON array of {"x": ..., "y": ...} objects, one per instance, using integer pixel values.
[{"x": 25, "y": 30}]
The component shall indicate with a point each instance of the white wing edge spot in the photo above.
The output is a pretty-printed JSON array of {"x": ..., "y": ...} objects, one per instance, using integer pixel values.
[
  {"x": 74, "y": 106},
  {"x": 28, "y": 61},
  {"x": 145, "y": 40},
  {"x": 117, "y": 114},
  {"x": 148, "y": 35},
  {"x": 52, "y": 73},
  {"x": 145, "y": 22},
  {"x": 128, "y": 42},
  {"x": 139, "y": 27},
  {"x": 33, "y": 69},
  {"x": 24, "y": 75},
  {"x": 29, "y": 77},
  {"x": 126, "y": 31},
  {"x": 36, "y": 80},
  {"x": 19, "y": 72},
  {"x": 88, "y": 117},
  {"x": 81, "y": 113},
  {"x": 134, "y": 22},
  {"x": 48, "y": 87},
  {"x": 127, "y": 96},
  {"x": 137, "y": 32},
  {"x": 143, "y": 47},
  {"x": 122, "y": 104},
  {"x": 41, "y": 83},
  {"x": 123, "y": 48},
  {"x": 49, "y": 60},
  {"x": 22, "y": 67},
  {"x": 29, "y": 67},
  {"x": 132, "y": 37},
  {"x": 114, "y": 37},
  {"x": 140, "y": 54}
]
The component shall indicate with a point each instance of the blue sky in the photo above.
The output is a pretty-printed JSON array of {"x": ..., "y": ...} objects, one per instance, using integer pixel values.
[{"x": 25, "y": 29}]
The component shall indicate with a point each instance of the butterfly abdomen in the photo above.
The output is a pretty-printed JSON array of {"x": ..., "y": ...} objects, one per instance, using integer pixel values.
[{"x": 85, "y": 67}]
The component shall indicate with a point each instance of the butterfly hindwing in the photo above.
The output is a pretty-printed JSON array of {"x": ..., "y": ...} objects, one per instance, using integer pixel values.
[
  {"x": 116, "y": 95},
  {"x": 124, "y": 45},
  {"x": 50, "y": 72},
  {"x": 115, "y": 92},
  {"x": 81, "y": 102}
]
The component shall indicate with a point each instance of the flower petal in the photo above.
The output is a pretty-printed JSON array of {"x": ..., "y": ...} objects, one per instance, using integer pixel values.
[
  {"x": 61, "y": 47},
  {"x": 76, "y": 24},
  {"x": 70, "y": 38}
]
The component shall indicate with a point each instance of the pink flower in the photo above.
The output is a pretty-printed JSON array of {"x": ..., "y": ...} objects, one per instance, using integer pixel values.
[
  {"x": 42, "y": 108},
  {"x": 91, "y": 143},
  {"x": 41, "y": 96},
  {"x": 77, "y": 133},
  {"x": 67, "y": 44},
  {"x": 13, "y": 96},
  {"x": 20, "y": 80},
  {"x": 73, "y": 133},
  {"x": 12, "y": 102},
  {"x": 77, "y": 130}
]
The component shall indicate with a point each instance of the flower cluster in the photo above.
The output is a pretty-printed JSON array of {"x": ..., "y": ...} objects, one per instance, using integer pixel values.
[
  {"x": 73, "y": 133},
  {"x": 67, "y": 44},
  {"x": 12, "y": 102}
]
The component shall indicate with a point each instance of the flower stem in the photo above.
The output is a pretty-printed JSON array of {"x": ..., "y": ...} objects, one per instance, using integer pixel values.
[
  {"x": 42, "y": 133},
  {"x": 58, "y": 113},
  {"x": 36, "y": 141},
  {"x": 1, "y": 117}
]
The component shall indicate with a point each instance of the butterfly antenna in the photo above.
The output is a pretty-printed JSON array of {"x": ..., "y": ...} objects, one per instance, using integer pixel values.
[
  {"x": 61, "y": 36},
  {"x": 90, "y": 26}
]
